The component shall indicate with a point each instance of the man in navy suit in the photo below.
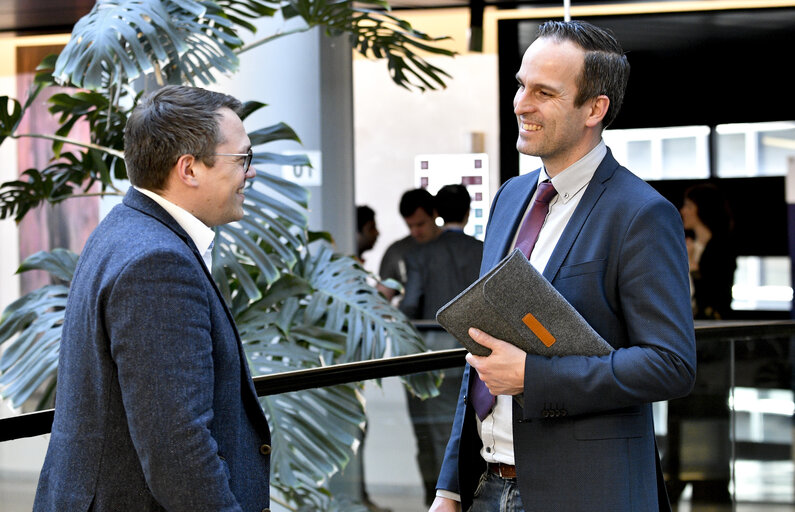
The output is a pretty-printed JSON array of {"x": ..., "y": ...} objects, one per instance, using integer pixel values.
[
  {"x": 155, "y": 407},
  {"x": 576, "y": 433}
]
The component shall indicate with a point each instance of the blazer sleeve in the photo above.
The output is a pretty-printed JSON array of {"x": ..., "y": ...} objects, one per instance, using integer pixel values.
[
  {"x": 158, "y": 321},
  {"x": 654, "y": 358}
]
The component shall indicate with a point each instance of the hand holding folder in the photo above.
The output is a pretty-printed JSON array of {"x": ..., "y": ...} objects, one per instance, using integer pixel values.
[{"x": 515, "y": 303}]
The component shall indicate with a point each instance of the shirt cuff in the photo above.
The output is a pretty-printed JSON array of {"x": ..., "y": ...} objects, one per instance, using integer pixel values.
[{"x": 441, "y": 493}]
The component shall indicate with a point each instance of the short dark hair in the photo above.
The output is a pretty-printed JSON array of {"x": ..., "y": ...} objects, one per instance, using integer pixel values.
[
  {"x": 606, "y": 68},
  {"x": 416, "y": 198},
  {"x": 364, "y": 214},
  {"x": 452, "y": 203},
  {"x": 170, "y": 122}
]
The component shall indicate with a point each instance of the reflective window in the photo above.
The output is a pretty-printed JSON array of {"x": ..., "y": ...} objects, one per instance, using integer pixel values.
[
  {"x": 762, "y": 283},
  {"x": 758, "y": 149},
  {"x": 662, "y": 153}
]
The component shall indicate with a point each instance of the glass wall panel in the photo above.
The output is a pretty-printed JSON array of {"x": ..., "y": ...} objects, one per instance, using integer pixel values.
[
  {"x": 757, "y": 149},
  {"x": 762, "y": 283},
  {"x": 731, "y": 154},
  {"x": 662, "y": 153},
  {"x": 776, "y": 146}
]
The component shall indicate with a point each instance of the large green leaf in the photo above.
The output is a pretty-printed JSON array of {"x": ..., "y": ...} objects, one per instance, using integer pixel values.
[
  {"x": 10, "y": 115},
  {"x": 345, "y": 301},
  {"x": 36, "y": 319},
  {"x": 265, "y": 244},
  {"x": 59, "y": 262},
  {"x": 324, "y": 312},
  {"x": 314, "y": 432},
  {"x": 375, "y": 33},
  {"x": 120, "y": 40}
]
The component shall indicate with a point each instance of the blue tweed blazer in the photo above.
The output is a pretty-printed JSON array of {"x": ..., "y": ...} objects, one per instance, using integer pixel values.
[
  {"x": 584, "y": 438},
  {"x": 155, "y": 407}
]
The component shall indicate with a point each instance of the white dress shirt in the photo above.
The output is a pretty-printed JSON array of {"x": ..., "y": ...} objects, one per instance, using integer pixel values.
[
  {"x": 201, "y": 235},
  {"x": 496, "y": 429}
]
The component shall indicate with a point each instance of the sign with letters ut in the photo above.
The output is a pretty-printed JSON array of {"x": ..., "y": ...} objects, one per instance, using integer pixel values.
[{"x": 304, "y": 175}]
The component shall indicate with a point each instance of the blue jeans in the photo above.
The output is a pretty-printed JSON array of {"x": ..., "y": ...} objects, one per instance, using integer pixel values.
[{"x": 496, "y": 494}]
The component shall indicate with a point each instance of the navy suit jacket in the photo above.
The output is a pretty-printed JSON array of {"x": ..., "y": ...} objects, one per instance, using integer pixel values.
[
  {"x": 584, "y": 438},
  {"x": 155, "y": 407}
]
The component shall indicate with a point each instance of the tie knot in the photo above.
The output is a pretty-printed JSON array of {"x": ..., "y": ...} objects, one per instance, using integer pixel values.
[{"x": 545, "y": 192}]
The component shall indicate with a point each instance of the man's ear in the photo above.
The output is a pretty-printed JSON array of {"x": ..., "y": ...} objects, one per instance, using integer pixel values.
[
  {"x": 186, "y": 171},
  {"x": 599, "y": 107}
]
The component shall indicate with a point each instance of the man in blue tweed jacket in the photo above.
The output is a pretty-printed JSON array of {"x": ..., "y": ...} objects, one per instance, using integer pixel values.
[{"x": 155, "y": 407}]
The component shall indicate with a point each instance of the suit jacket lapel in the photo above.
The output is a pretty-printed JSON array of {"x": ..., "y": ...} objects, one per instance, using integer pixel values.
[
  {"x": 144, "y": 204},
  {"x": 589, "y": 199},
  {"x": 506, "y": 221}
]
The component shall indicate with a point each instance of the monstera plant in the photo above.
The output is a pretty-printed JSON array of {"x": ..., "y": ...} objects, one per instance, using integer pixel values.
[{"x": 296, "y": 302}]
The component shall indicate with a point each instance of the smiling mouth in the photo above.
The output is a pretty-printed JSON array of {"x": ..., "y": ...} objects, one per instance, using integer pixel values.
[{"x": 531, "y": 127}]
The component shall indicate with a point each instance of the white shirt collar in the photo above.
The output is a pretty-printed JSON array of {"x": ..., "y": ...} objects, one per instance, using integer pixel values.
[
  {"x": 575, "y": 177},
  {"x": 201, "y": 235}
]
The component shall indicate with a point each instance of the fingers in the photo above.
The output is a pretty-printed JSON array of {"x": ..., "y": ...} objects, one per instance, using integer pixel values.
[
  {"x": 503, "y": 370},
  {"x": 481, "y": 337}
]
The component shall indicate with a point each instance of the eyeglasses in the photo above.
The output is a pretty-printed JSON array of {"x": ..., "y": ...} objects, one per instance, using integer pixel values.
[{"x": 246, "y": 163}]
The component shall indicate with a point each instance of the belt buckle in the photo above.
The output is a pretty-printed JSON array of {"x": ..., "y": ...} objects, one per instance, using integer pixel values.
[{"x": 499, "y": 469}]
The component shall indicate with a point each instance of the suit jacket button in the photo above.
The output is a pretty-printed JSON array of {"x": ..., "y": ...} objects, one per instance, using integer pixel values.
[{"x": 265, "y": 449}]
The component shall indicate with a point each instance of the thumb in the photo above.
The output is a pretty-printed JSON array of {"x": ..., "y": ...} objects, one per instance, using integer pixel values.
[{"x": 481, "y": 337}]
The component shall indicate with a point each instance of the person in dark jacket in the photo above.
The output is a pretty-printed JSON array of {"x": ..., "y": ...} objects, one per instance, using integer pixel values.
[{"x": 155, "y": 407}]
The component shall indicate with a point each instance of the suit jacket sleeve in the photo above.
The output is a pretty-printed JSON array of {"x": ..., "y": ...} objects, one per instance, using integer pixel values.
[
  {"x": 158, "y": 322},
  {"x": 645, "y": 280}
]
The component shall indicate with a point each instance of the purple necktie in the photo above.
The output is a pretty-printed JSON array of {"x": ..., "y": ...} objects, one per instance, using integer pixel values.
[{"x": 482, "y": 399}]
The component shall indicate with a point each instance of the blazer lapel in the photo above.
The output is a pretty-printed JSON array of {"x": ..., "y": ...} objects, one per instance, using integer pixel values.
[
  {"x": 505, "y": 222},
  {"x": 146, "y": 205},
  {"x": 589, "y": 199}
]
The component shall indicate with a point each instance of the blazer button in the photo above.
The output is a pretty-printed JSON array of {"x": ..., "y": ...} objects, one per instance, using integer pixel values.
[{"x": 265, "y": 449}]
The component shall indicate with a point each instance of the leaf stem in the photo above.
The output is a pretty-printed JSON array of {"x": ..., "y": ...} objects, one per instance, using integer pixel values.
[
  {"x": 115, "y": 192},
  {"x": 282, "y": 503},
  {"x": 89, "y": 145},
  {"x": 272, "y": 37}
]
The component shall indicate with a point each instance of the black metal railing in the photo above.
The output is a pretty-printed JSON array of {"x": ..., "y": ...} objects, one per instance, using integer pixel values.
[{"x": 38, "y": 423}]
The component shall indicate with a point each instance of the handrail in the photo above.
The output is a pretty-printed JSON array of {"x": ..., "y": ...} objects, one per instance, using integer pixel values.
[{"x": 40, "y": 422}]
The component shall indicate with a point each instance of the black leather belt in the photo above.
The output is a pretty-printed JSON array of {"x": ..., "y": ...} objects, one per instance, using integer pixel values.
[{"x": 502, "y": 470}]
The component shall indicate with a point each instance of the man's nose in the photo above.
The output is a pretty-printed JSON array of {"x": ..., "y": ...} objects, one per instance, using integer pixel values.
[{"x": 522, "y": 103}]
